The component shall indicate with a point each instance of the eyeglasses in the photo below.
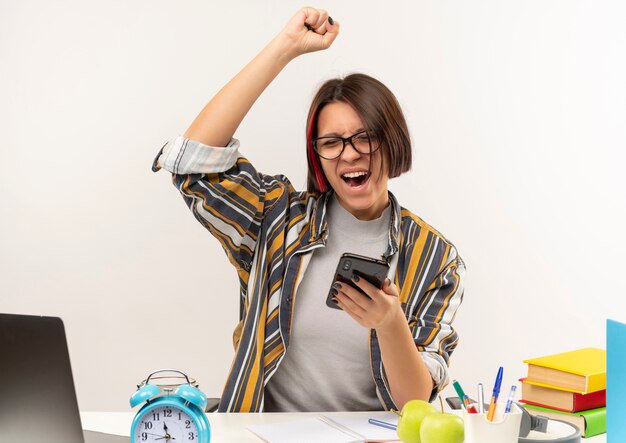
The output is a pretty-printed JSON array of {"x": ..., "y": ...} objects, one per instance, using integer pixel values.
[{"x": 330, "y": 148}]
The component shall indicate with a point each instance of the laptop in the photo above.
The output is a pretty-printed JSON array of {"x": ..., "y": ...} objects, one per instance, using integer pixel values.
[{"x": 38, "y": 400}]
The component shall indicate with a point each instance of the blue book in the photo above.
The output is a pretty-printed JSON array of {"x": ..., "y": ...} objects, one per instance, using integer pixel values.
[{"x": 615, "y": 381}]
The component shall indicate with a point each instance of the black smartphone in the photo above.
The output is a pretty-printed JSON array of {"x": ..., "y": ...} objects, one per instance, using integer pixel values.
[
  {"x": 455, "y": 403},
  {"x": 371, "y": 269}
]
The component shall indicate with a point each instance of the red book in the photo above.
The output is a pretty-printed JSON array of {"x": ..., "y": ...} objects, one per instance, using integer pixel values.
[{"x": 557, "y": 398}]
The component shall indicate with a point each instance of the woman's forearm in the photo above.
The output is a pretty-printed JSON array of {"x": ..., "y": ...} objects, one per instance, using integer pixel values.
[
  {"x": 406, "y": 372},
  {"x": 308, "y": 30},
  {"x": 220, "y": 118}
]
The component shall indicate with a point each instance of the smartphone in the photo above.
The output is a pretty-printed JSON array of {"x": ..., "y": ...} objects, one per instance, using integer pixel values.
[
  {"x": 371, "y": 269},
  {"x": 455, "y": 402}
]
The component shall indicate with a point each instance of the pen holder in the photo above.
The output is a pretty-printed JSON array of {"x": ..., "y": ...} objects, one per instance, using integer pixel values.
[{"x": 503, "y": 429}]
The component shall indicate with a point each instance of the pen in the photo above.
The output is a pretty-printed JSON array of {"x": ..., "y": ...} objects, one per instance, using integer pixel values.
[
  {"x": 495, "y": 394},
  {"x": 509, "y": 402},
  {"x": 382, "y": 424},
  {"x": 462, "y": 396},
  {"x": 481, "y": 399}
]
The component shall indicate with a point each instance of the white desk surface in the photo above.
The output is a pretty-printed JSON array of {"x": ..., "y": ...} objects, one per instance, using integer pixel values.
[{"x": 225, "y": 428}]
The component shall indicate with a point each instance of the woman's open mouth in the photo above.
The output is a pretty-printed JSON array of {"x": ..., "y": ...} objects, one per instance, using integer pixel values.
[{"x": 355, "y": 179}]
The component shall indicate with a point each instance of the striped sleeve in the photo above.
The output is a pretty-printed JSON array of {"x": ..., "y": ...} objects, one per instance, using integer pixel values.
[
  {"x": 224, "y": 192},
  {"x": 186, "y": 156},
  {"x": 433, "y": 332}
]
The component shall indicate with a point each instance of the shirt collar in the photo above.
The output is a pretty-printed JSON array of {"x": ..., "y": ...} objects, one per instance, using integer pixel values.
[{"x": 319, "y": 227}]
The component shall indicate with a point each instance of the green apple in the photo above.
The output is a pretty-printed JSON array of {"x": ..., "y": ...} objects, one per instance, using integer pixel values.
[
  {"x": 442, "y": 428},
  {"x": 411, "y": 416}
]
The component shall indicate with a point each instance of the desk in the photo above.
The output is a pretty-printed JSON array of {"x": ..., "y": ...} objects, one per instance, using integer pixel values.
[{"x": 225, "y": 428}]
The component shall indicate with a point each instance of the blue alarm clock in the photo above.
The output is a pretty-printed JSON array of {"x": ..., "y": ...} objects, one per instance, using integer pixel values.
[{"x": 169, "y": 415}]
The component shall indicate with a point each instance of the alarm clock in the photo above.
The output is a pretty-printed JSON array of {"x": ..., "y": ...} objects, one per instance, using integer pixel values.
[{"x": 172, "y": 414}]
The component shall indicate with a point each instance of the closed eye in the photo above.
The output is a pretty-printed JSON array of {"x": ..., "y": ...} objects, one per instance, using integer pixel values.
[
  {"x": 329, "y": 142},
  {"x": 362, "y": 138}
]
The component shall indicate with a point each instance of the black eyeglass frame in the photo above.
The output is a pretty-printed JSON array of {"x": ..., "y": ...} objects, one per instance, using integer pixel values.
[{"x": 370, "y": 135}]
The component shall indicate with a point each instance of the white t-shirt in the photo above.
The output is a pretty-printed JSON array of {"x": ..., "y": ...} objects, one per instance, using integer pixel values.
[{"x": 327, "y": 364}]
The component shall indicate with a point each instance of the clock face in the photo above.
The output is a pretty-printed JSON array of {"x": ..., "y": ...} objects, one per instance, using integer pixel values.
[{"x": 165, "y": 424}]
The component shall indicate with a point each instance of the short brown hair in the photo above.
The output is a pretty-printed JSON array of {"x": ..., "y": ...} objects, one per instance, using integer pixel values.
[{"x": 380, "y": 111}]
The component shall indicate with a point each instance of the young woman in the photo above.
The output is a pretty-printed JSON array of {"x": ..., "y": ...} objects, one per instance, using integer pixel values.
[{"x": 294, "y": 353}]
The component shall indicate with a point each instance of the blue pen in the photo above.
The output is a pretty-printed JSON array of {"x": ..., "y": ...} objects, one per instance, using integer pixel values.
[
  {"x": 382, "y": 424},
  {"x": 495, "y": 394},
  {"x": 509, "y": 402}
]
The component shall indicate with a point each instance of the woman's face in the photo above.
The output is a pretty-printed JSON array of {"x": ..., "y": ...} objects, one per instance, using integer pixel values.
[{"x": 366, "y": 196}]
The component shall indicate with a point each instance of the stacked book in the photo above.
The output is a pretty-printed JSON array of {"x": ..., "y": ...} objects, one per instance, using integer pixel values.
[{"x": 570, "y": 386}]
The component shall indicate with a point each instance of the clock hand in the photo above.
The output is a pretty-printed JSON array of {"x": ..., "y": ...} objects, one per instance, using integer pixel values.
[{"x": 167, "y": 436}]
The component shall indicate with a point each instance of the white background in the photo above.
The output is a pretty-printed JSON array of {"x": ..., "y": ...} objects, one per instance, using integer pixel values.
[{"x": 516, "y": 110}]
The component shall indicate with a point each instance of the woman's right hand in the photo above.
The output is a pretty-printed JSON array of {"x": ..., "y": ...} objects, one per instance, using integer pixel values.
[{"x": 299, "y": 39}]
